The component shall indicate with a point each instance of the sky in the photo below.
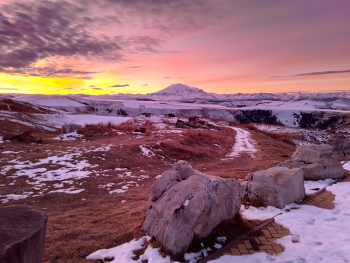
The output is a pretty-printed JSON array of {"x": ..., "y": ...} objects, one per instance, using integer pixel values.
[{"x": 142, "y": 46}]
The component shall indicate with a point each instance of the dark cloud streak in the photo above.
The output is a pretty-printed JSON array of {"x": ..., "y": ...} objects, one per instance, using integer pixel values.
[
  {"x": 30, "y": 32},
  {"x": 316, "y": 73},
  {"x": 119, "y": 86}
]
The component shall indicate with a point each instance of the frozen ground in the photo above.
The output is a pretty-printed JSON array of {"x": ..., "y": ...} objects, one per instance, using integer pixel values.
[
  {"x": 62, "y": 172},
  {"x": 317, "y": 235}
]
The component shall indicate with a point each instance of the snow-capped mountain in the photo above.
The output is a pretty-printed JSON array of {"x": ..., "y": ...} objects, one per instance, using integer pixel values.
[{"x": 181, "y": 92}]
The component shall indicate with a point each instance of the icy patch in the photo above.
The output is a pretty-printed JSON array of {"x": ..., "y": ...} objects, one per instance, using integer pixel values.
[
  {"x": 105, "y": 148},
  {"x": 244, "y": 144},
  {"x": 313, "y": 186},
  {"x": 346, "y": 165},
  {"x": 124, "y": 253},
  {"x": 10, "y": 152},
  {"x": 260, "y": 213},
  {"x": 108, "y": 186},
  {"x": 8, "y": 197},
  {"x": 118, "y": 191},
  {"x": 69, "y": 136},
  {"x": 146, "y": 152},
  {"x": 67, "y": 191},
  {"x": 120, "y": 169}
]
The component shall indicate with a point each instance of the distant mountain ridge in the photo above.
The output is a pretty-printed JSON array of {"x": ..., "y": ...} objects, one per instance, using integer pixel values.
[{"x": 181, "y": 92}]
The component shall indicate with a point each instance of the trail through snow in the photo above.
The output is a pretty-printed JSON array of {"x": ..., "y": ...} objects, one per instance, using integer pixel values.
[{"x": 243, "y": 144}]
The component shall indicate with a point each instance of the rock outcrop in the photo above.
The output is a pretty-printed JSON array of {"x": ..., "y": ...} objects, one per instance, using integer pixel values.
[
  {"x": 22, "y": 238},
  {"x": 24, "y": 136},
  {"x": 185, "y": 204},
  {"x": 316, "y": 161},
  {"x": 276, "y": 186},
  {"x": 68, "y": 128},
  {"x": 341, "y": 148}
]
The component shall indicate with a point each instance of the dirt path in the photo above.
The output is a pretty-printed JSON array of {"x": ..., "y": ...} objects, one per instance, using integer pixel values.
[{"x": 243, "y": 143}]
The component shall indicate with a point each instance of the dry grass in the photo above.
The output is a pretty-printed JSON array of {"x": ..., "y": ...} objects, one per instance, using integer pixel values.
[
  {"x": 197, "y": 145},
  {"x": 98, "y": 130},
  {"x": 281, "y": 137},
  {"x": 200, "y": 136},
  {"x": 128, "y": 126},
  {"x": 79, "y": 227}
]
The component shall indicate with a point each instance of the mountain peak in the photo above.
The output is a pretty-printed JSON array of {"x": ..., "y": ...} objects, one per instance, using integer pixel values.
[
  {"x": 179, "y": 87},
  {"x": 180, "y": 91}
]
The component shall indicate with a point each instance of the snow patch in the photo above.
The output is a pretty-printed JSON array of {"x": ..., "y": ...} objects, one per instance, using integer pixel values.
[
  {"x": 146, "y": 152},
  {"x": 243, "y": 144}
]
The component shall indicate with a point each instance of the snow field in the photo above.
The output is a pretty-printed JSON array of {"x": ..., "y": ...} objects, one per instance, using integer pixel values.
[{"x": 66, "y": 173}]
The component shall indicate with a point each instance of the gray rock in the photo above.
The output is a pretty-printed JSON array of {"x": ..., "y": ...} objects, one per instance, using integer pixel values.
[
  {"x": 276, "y": 186},
  {"x": 22, "y": 238},
  {"x": 316, "y": 161},
  {"x": 181, "y": 124},
  {"x": 341, "y": 147},
  {"x": 68, "y": 128},
  {"x": 324, "y": 169},
  {"x": 312, "y": 153},
  {"x": 185, "y": 203}
]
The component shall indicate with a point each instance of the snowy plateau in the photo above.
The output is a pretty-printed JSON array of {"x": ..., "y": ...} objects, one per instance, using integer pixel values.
[{"x": 304, "y": 110}]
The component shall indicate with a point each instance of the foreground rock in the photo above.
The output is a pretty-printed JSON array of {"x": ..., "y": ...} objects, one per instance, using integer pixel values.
[
  {"x": 317, "y": 162},
  {"x": 276, "y": 186},
  {"x": 22, "y": 238},
  {"x": 185, "y": 204}
]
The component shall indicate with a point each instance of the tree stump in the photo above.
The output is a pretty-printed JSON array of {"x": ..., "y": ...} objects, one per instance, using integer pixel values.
[{"x": 22, "y": 234}]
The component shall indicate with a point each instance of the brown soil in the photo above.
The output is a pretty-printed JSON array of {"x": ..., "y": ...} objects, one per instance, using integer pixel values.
[{"x": 80, "y": 224}]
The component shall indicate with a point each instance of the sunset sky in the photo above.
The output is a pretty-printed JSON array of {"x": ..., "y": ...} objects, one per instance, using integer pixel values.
[{"x": 142, "y": 46}]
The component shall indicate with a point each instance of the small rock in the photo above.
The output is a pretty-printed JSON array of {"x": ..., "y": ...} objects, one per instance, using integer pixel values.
[
  {"x": 295, "y": 239},
  {"x": 82, "y": 254},
  {"x": 108, "y": 259}
]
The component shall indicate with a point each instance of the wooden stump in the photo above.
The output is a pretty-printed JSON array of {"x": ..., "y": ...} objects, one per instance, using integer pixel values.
[{"x": 22, "y": 234}]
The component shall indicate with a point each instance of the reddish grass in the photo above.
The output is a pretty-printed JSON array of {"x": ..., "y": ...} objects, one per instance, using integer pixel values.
[
  {"x": 102, "y": 221},
  {"x": 282, "y": 137},
  {"x": 128, "y": 126}
]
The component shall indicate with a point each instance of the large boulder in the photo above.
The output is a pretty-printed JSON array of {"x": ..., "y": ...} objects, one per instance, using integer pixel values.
[
  {"x": 276, "y": 186},
  {"x": 312, "y": 153},
  {"x": 341, "y": 148},
  {"x": 22, "y": 238},
  {"x": 316, "y": 161},
  {"x": 185, "y": 204}
]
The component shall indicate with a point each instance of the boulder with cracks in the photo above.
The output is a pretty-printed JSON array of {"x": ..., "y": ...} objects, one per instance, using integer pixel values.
[
  {"x": 276, "y": 186},
  {"x": 316, "y": 161},
  {"x": 186, "y": 203}
]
